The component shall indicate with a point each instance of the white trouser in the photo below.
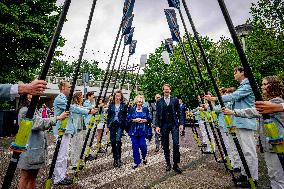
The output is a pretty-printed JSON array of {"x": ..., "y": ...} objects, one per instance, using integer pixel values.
[
  {"x": 61, "y": 162},
  {"x": 275, "y": 170},
  {"x": 248, "y": 145},
  {"x": 77, "y": 142},
  {"x": 205, "y": 139}
]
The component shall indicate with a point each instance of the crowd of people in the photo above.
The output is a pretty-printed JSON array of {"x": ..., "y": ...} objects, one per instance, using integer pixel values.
[{"x": 166, "y": 116}]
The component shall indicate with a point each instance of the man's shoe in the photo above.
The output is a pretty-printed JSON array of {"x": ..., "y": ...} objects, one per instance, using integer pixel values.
[
  {"x": 65, "y": 181},
  {"x": 177, "y": 169},
  {"x": 169, "y": 167}
]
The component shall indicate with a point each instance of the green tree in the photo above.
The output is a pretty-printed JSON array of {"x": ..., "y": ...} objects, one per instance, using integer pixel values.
[{"x": 26, "y": 29}]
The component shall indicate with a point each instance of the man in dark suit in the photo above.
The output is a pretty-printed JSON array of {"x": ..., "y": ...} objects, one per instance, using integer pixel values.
[{"x": 169, "y": 119}]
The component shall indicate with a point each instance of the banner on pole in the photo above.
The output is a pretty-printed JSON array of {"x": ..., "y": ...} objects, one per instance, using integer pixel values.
[
  {"x": 128, "y": 8},
  {"x": 166, "y": 57},
  {"x": 143, "y": 60},
  {"x": 174, "y": 3},
  {"x": 132, "y": 47},
  {"x": 172, "y": 22},
  {"x": 128, "y": 37},
  {"x": 127, "y": 23},
  {"x": 169, "y": 45}
]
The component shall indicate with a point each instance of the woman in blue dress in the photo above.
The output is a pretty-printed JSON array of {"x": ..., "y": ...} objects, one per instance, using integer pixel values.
[{"x": 139, "y": 119}]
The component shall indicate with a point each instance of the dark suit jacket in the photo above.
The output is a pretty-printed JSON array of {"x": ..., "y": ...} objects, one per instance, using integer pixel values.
[
  {"x": 176, "y": 112},
  {"x": 122, "y": 114}
]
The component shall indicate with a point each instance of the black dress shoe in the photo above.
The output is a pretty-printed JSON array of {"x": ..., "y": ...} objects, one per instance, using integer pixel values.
[
  {"x": 65, "y": 181},
  {"x": 177, "y": 169},
  {"x": 169, "y": 167}
]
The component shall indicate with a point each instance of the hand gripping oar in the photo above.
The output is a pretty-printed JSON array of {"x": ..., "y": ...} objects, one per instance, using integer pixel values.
[
  {"x": 61, "y": 130},
  {"x": 22, "y": 136},
  {"x": 215, "y": 86}
]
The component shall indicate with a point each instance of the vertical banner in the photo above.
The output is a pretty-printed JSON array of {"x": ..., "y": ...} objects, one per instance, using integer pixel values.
[
  {"x": 128, "y": 8},
  {"x": 128, "y": 37},
  {"x": 127, "y": 23},
  {"x": 143, "y": 60},
  {"x": 172, "y": 22},
  {"x": 169, "y": 45},
  {"x": 166, "y": 57},
  {"x": 132, "y": 47},
  {"x": 174, "y": 3}
]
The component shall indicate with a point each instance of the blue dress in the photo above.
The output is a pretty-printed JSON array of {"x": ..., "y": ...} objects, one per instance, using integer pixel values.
[{"x": 139, "y": 129}]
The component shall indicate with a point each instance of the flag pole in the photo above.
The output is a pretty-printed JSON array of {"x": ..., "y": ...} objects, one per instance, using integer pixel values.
[
  {"x": 112, "y": 69},
  {"x": 118, "y": 70},
  {"x": 124, "y": 73},
  {"x": 30, "y": 113}
]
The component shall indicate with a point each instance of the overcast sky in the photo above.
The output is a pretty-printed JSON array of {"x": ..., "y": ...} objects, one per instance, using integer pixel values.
[{"x": 149, "y": 21}]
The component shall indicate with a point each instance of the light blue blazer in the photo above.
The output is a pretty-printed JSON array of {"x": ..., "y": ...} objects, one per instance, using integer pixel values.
[
  {"x": 242, "y": 98},
  {"x": 59, "y": 104},
  {"x": 88, "y": 105}
]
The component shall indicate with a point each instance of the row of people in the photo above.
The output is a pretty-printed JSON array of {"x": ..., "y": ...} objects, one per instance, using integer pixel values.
[{"x": 241, "y": 105}]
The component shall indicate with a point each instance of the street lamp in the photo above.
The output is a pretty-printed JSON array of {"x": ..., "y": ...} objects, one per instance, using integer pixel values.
[{"x": 242, "y": 31}]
